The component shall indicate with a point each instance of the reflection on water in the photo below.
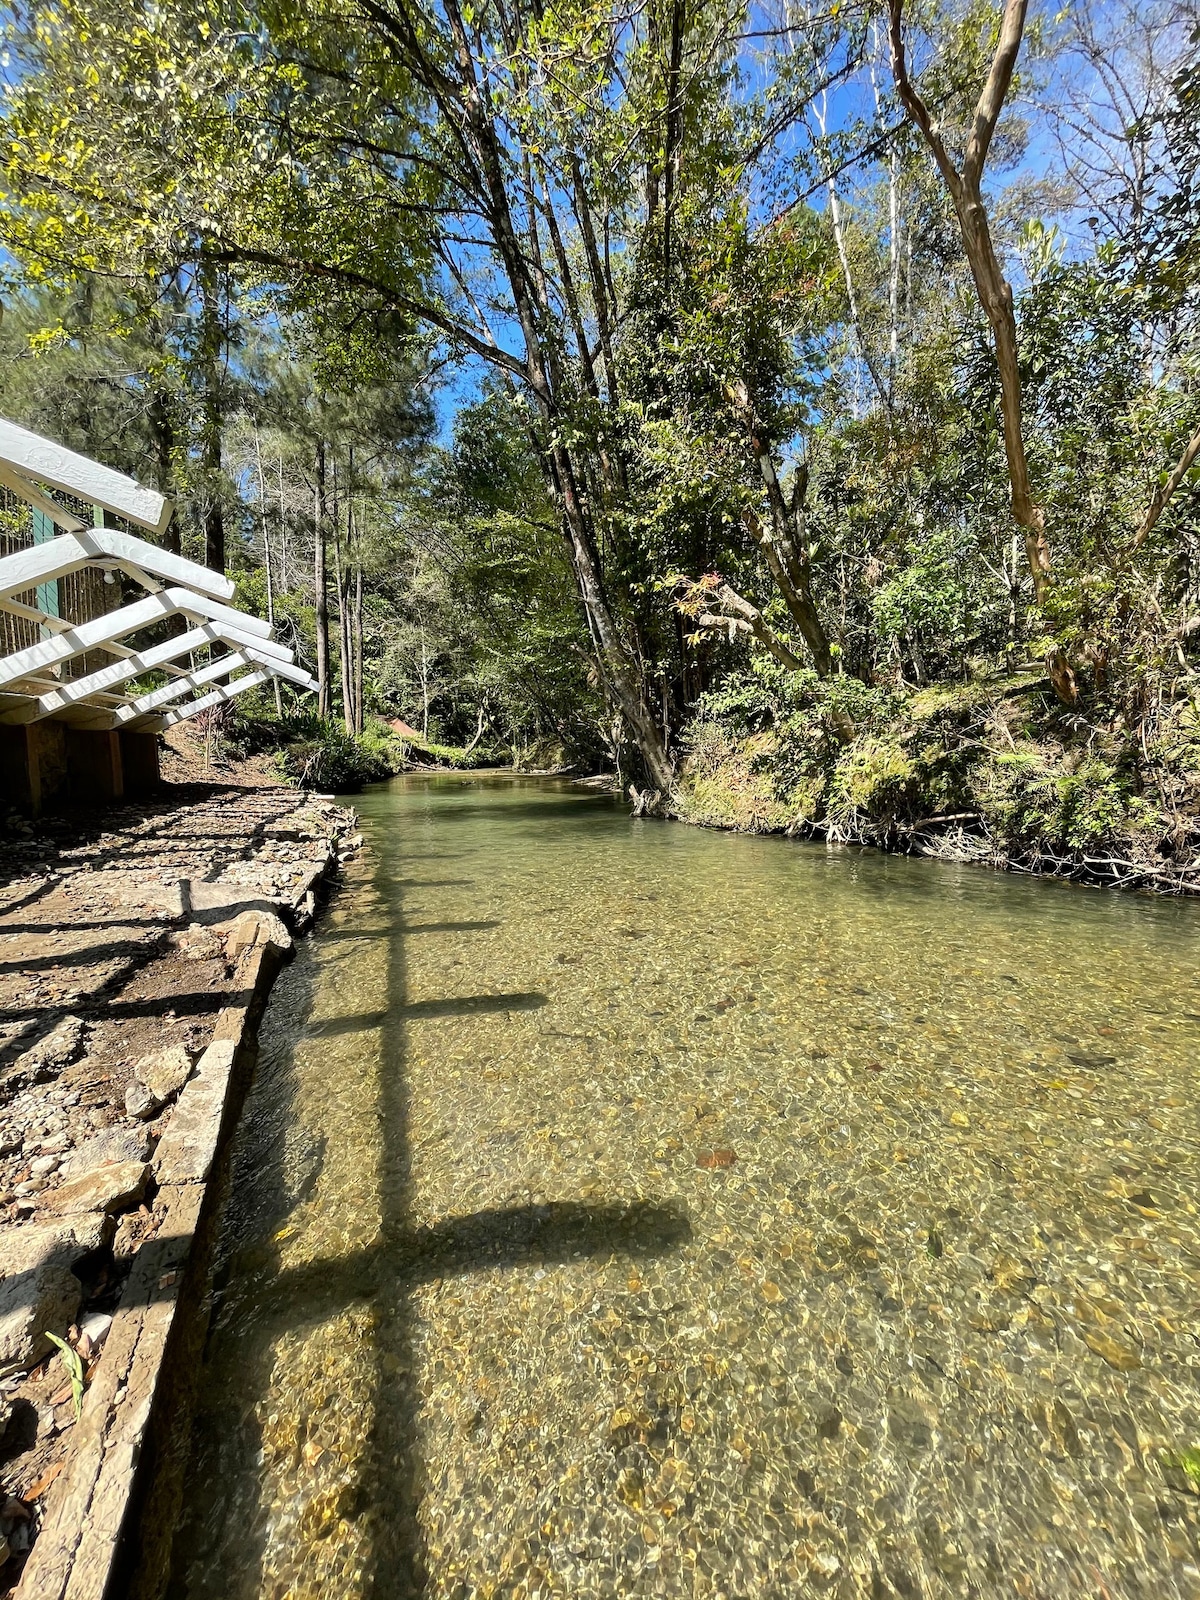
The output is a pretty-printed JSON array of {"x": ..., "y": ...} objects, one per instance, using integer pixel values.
[{"x": 624, "y": 1209}]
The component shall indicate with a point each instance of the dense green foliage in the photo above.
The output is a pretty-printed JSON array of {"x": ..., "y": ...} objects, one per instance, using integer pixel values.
[{"x": 627, "y": 386}]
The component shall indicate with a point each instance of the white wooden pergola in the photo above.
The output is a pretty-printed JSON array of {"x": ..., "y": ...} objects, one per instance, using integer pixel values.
[{"x": 33, "y": 685}]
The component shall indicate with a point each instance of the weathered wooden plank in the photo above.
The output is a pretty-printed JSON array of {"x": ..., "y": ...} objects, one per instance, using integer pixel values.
[
  {"x": 47, "y": 462},
  {"x": 57, "y": 558},
  {"x": 216, "y": 698},
  {"x": 129, "y": 619}
]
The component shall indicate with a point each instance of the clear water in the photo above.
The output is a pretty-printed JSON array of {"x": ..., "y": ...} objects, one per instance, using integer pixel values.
[{"x": 626, "y": 1209}]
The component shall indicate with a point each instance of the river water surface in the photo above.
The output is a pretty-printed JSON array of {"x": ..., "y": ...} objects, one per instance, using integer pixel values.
[{"x": 626, "y": 1209}]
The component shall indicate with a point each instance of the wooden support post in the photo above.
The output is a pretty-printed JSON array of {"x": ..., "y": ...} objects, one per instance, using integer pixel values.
[
  {"x": 33, "y": 766},
  {"x": 16, "y": 785},
  {"x": 94, "y": 770},
  {"x": 139, "y": 761},
  {"x": 47, "y": 593}
]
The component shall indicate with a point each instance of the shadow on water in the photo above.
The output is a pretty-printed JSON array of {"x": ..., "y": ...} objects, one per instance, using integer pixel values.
[{"x": 272, "y": 1302}]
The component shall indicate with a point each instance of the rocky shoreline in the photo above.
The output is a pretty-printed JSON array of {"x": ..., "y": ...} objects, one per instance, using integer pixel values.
[{"x": 124, "y": 938}]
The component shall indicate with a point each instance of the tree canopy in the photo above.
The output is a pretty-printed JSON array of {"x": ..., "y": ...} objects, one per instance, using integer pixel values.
[{"x": 577, "y": 378}]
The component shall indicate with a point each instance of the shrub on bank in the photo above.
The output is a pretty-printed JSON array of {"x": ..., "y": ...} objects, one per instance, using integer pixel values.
[
  {"x": 315, "y": 753},
  {"x": 330, "y": 759},
  {"x": 989, "y": 769}
]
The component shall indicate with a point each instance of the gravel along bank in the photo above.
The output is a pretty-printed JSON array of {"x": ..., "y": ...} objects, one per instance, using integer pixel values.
[{"x": 125, "y": 938}]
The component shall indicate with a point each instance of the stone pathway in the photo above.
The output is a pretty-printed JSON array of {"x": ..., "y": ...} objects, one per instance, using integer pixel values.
[{"x": 119, "y": 937}]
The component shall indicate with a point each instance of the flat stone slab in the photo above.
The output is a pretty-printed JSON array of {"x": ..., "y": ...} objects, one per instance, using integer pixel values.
[
  {"x": 186, "y": 1151},
  {"x": 113, "y": 1187},
  {"x": 110, "y": 1144}
]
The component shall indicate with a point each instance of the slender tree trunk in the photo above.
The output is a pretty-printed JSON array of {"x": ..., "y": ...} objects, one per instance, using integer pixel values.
[
  {"x": 480, "y": 722},
  {"x": 964, "y": 185},
  {"x": 161, "y": 417},
  {"x": 162, "y": 429},
  {"x": 1162, "y": 494},
  {"x": 893, "y": 269},
  {"x": 359, "y": 719},
  {"x": 839, "y": 239},
  {"x": 784, "y": 545},
  {"x": 320, "y": 587},
  {"x": 616, "y": 664},
  {"x": 345, "y": 645},
  {"x": 424, "y": 688},
  {"x": 212, "y": 351},
  {"x": 266, "y": 543},
  {"x": 673, "y": 136},
  {"x": 341, "y": 588},
  {"x": 352, "y": 605},
  {"x": 601, "y": 296},
  {"x": 284, "y": 570}
]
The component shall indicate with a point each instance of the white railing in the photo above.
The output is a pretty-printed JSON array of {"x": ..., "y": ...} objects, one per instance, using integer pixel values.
[{"x": 31, "y": 683}]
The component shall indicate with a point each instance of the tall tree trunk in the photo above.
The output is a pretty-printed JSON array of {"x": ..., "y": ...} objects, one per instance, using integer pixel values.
[
  {"x": 839, "y": 239},
  {"x": 161, "y": 414},
  {"x": 342, "y": 584},
  {"x": 469, "y": 107},
  {"x": 893, "y": 268},
  {"x": 358, "y": 647},
  {"x": 320, "y": 587},
  {"x": 162, "y": 431},
  {"x": 673, "y": 136},
  {"x": 784, "y": 544},
  {"x": 284, "y": 578},
  {"x": 597, "y": 276},
  {"x": 424, "y": 687},
  {"x": 266, "y": 543},
  {"x": 212, "y": 351}
]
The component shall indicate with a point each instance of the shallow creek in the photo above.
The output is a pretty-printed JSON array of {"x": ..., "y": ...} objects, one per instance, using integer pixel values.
[{"x": 626, "y": 1209}]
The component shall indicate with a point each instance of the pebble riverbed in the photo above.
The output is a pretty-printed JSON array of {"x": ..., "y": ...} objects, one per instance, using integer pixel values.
[{"x": 626, "y": 1209}]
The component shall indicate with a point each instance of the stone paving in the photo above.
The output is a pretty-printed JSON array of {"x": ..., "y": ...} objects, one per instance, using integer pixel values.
[{"x": 119, "y": 934}]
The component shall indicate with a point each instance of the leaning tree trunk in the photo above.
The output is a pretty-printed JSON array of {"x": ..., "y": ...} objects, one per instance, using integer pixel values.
[
  {"x": 783, "y": 544},
  {"x": 964, "y": 186},
  {"x": 617, "y": 665}
]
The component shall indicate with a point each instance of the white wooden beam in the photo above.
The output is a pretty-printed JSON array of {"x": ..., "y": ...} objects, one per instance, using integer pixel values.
[
  {"x": 30, "y": 493},
  {"x": 47, "y": 462},
  {"x": 106, "y": 630},
  {"x": 181, "y": 686},
  {"x": 216, "y": 698},
  {"x": 58, "y": 558},
  {"x": 281, "y": 669},
  {"x": 56, "y": 697}
]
